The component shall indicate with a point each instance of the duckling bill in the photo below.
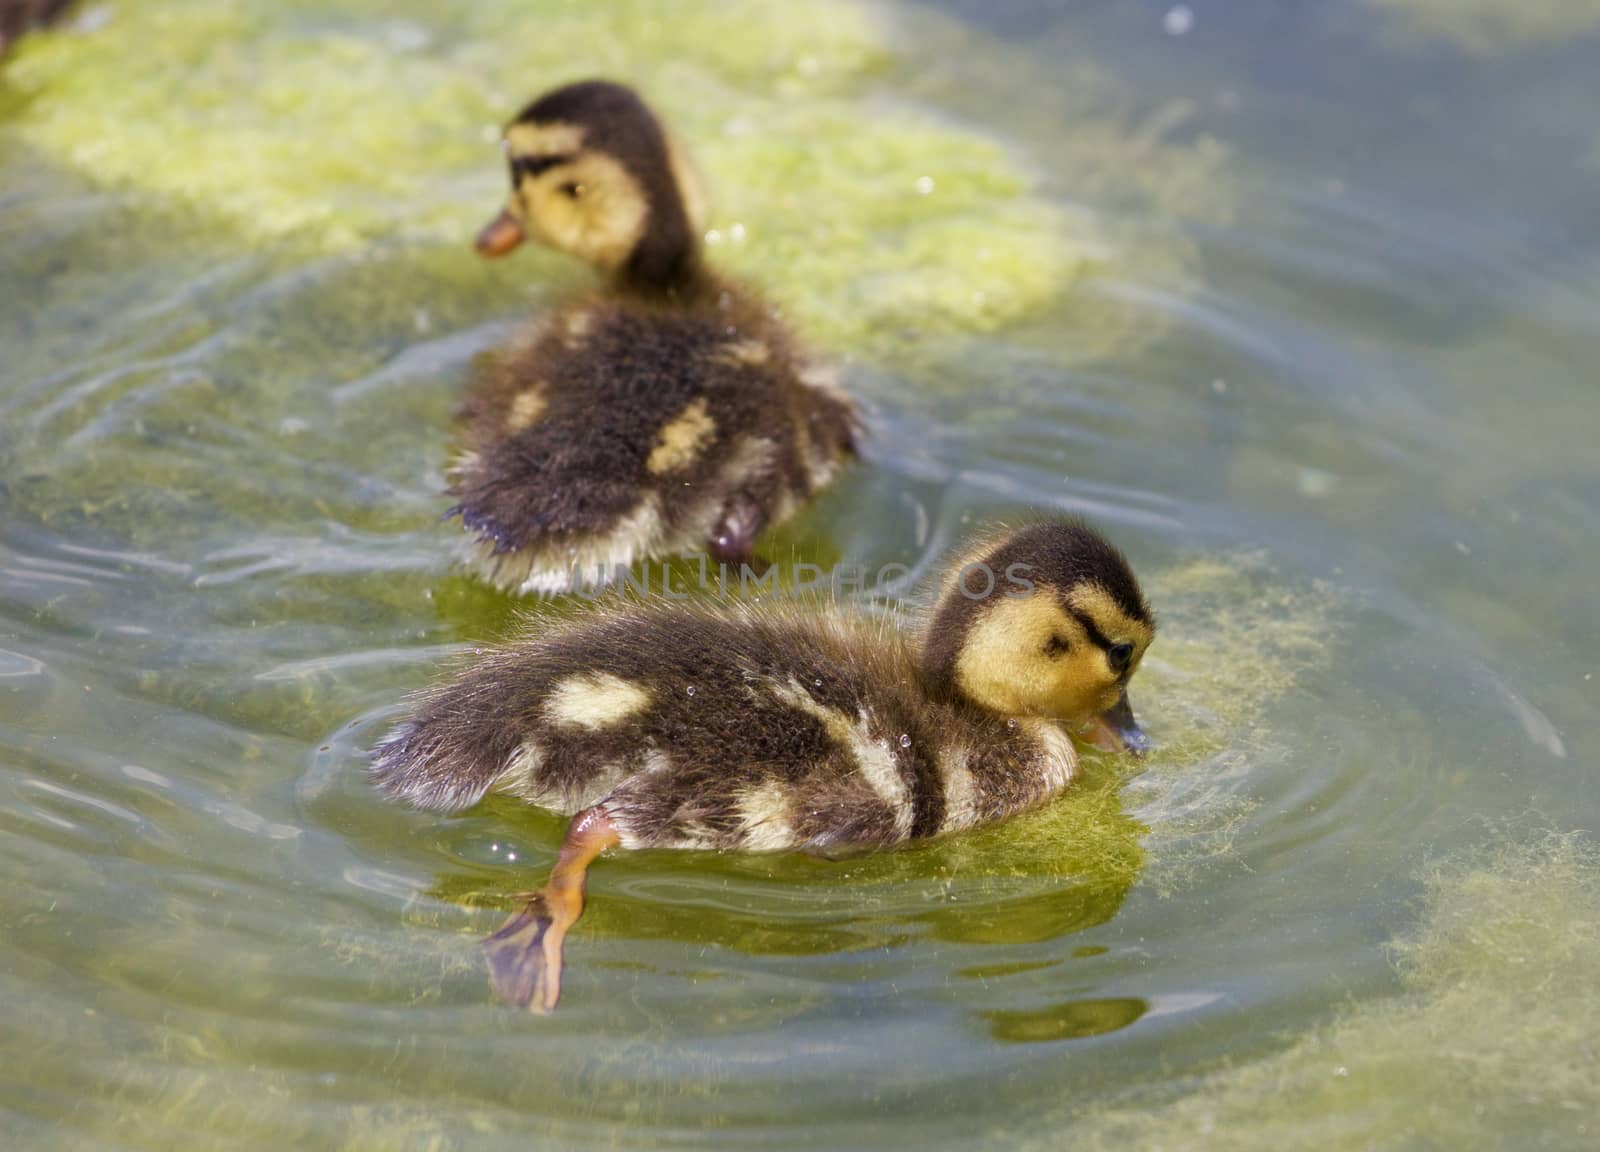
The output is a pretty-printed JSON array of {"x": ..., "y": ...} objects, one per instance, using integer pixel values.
[
  {"x": 669, "y": 412},
  {"x": 768, "y": 728}
]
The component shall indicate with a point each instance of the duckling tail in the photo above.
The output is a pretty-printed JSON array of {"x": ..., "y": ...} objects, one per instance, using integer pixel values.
[
  {"x": 425, "y": 763},
  {"x": 463, "y": 735}
]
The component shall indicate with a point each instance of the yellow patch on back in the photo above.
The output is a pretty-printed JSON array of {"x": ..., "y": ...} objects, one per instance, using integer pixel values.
[
  {"x": 824, "y": 378},
  {"x": 960, "y": 789},
  {"x": 681, "y": 441},
  {"x": 874, "y": 758},
  {"x": 526, "y": 408},
  {"x": 753, "y": 353},
  {"x": 1060, "y": 757},
  {"x": 520, "y": 775},
  {"x": 876, "y": 763},
  {"x": 835, "y": 721},
  {"x": 765, "y": 819},
  {"x": 578, "y": 325},
  {"x": 594, "y": 700}
]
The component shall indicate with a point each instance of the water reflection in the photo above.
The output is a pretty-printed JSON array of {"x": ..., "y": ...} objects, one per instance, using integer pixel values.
[{"x": 1071, "y": 1020}]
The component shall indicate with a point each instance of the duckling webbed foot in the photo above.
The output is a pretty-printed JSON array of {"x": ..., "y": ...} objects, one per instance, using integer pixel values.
[
  {"x": 518, "y": 968},
  {"x": 525, "y": 954}
]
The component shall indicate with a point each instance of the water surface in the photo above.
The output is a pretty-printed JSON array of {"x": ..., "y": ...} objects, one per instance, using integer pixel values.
[{"x": 1324, "y": 366}]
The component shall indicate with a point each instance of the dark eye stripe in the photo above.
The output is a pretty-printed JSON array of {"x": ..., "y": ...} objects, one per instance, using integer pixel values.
[
  {"x": 1094, "y": 633},
  {"x": 533, "y": 165}
]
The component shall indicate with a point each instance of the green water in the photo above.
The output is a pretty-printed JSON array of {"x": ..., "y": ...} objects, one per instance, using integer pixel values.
[{"x": 1303, "y": 308}]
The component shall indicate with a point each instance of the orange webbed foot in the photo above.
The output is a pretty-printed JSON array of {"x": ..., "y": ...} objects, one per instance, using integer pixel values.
[
  {"x": 524, "y": 959},
  {"x": 525, "y": 954}
]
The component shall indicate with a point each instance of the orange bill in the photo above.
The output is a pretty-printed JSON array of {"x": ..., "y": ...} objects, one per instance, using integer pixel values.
[
  {"x": 499, "y": 236},
  {"x": 1117, "y": 730}
]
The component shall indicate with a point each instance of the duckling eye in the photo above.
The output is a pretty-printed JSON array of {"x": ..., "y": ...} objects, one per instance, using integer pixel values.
[
  {"x": 1118, "y": 656},
  {"x": 1057, "y": 646},
  {"x": 572, "y": 190}
]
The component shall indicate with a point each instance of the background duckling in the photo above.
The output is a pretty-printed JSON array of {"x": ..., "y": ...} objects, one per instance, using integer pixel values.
[
  {"x": 19, "y": 16},
  {"x": 770, "y": 728},
  {"x": 668, "y": 413}
]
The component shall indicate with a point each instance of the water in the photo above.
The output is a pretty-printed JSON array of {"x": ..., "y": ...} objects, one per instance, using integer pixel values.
[{"x": 1319, "y": 354}]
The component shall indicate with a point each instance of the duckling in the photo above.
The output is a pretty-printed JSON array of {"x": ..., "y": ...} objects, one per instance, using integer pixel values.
[
  {"x": 765, "y": 728},
  {"x": 668, "y": 412}
]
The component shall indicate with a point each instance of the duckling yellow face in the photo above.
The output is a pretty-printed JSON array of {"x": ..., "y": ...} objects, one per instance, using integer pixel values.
[
  {"x": 594, "y": 174},
  {"x": 573, "y": 200},
  {"x": 1049, "y": 622}
]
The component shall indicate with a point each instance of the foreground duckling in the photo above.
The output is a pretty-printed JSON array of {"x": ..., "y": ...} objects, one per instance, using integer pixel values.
[
  {"x": 769, "y": 728},
  {"x": 668, "y": 413}
]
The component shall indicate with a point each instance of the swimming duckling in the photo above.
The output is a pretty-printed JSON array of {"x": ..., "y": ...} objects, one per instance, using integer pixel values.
[
  {"x": 769, "y": 728},
  {"x": 667, "y": 413}
]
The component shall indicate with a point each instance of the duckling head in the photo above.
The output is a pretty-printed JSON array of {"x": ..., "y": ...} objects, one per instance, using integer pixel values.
[
  {"x": 1044, "y": 621},
  {"x": 594, "y": 173}
]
